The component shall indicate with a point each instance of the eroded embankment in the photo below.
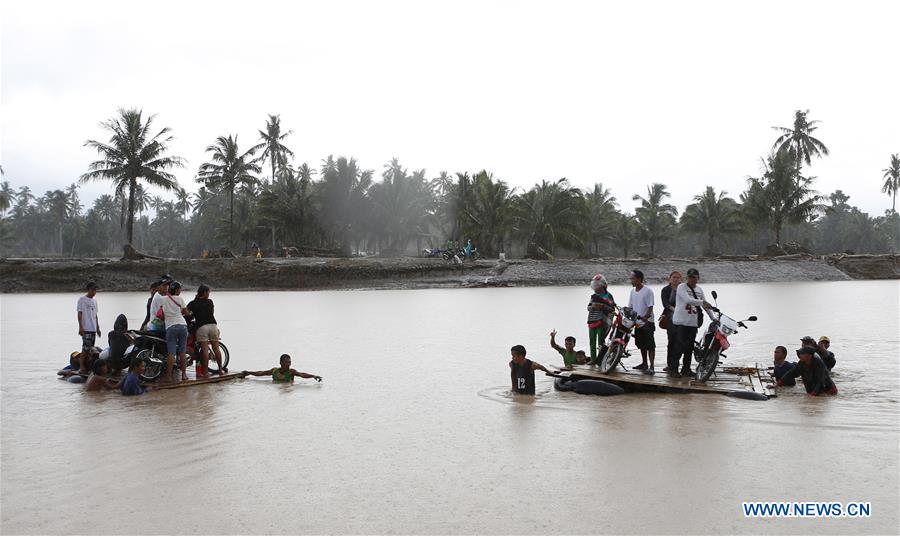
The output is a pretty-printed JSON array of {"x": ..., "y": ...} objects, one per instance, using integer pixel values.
[{"x": 67, "y": 275}]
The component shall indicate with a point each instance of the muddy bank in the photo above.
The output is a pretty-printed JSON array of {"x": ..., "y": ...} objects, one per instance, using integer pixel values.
[{"x": 68, "y": 275}]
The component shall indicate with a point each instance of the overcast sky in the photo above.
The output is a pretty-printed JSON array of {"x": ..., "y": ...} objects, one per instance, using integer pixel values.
[{"x": 626, "y": 93}]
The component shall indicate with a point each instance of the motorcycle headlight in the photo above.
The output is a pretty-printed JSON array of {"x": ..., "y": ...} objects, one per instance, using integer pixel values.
[{"x": 727, "y": 331}]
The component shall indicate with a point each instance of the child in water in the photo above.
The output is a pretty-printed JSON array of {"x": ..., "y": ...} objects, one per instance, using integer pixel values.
[
  {"x": 131, "y": 385},
  {"x": 99, "y": 380},
  {"x": 284, "y": 373}
]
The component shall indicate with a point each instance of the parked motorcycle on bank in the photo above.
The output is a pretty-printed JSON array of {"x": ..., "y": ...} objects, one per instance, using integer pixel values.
[{"x": 715, "y": 341}]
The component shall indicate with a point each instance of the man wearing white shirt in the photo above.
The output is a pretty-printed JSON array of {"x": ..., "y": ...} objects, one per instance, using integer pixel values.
[
  {"x": 689, "y": 303},
  {"x": 88, "y": 325},
  {"x": 641, "y": 301}
]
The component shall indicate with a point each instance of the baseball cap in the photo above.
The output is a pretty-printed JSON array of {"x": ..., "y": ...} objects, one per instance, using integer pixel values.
[
  {"x": 807, "y": 338},
  {"x": 693, "y": 272},
  {"x": 824, "y": 338}
]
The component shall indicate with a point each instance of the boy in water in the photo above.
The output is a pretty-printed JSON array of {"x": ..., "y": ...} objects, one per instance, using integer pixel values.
[
  {"x": 284, "y": 373},
  {"x": 131, "y": 385},
  {"x": 521, "y": 371},
  {"x": 99, "y": 380},
  {"x": 568, "y": 353}
]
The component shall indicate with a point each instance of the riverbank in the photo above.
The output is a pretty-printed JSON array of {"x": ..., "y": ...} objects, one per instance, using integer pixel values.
[{"x": 67, "y": 275}]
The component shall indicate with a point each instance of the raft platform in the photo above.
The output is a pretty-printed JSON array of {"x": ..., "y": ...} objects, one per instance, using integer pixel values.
[
  {"x": 734, "y": 381},
  {"x": 178, "y": 383}
]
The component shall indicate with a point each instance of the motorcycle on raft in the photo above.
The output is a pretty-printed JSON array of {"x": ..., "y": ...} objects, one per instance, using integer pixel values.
[
  {"x": 151, "y": 349},
  {"x": 708, "y": 351},
  {"x": 619, "y": 334}
]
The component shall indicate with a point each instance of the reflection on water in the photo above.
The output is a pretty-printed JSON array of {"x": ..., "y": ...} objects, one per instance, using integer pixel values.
[{"x": 414, "y": 428}]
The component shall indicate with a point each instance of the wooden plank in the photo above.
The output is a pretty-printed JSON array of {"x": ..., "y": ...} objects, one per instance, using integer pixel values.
[
  {"x": 201, "y": 381},
  {"x": 732, "y": 379}
]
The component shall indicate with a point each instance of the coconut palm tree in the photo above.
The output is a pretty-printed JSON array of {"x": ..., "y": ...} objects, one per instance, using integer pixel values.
[
  {"x": 227, "y": 169},
  {"x": 133, "y": 154},
  {"x": 344, "y": 203},
  {"x": 713, "y": 215},
  {"x": 655, "y": 218},
  {"x": 892, "y": 180},
  {"x": 624, "y": 232},
  {"x": 799, "y": 141},
  {"x": 781, "y": 195},
  {"x": 549, "y": 214},
  {"x": 487, "y": 215},
  {"x": 600, "y": 216},
  {"x": 7, "y": 197},
  {"x": 272, "y": 146},
  {"x": 182, "y": 202}
]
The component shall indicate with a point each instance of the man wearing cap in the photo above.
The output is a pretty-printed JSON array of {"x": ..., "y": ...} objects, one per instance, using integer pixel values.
[
  {"x": 812, "y": 370},
  {"x": 687, "y": 318},
  {"x": 822, "y": 351},
  {"x": 88, "y": 325},
  {"x": 825, "y": 353}
]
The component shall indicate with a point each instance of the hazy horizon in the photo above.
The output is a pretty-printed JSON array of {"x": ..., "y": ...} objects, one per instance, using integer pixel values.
[{"x": 680, "y": 93}]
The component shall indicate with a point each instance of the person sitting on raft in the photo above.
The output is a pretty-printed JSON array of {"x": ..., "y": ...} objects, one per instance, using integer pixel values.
[
  {"x": 521, "y": 371},
  {"x": 119, "y": 341},
  {"x": 99, "y": 379},
  {"x": 812, "y": 370},
  {"x": 782, "y": 366},
  {"x": 283, "y": 374},
  {"x": 568, "y": 353}
]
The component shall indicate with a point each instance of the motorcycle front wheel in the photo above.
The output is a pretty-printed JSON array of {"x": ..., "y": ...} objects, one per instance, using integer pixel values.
[
  {"x": 709, "y": 362},
  {"x": 611, "y": 358}
]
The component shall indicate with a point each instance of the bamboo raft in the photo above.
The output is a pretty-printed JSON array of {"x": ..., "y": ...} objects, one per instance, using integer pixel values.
[
  {"x": 725, "y": 380},
  {"x": 179, "y": 384}
]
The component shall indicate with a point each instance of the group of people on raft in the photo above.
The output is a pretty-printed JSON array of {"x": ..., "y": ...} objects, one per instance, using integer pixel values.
[
  {"x": 167, "y": 317},
  {"x": 683, "y": 303}
]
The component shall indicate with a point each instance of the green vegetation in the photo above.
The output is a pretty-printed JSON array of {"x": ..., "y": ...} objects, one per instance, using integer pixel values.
[{"x": 342, "y": 207}]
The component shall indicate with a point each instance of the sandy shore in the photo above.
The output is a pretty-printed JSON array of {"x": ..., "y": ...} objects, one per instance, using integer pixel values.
[{"x": 67, "y": 275}]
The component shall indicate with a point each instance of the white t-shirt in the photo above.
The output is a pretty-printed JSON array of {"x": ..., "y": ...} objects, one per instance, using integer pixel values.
[
  {"x": 88, "y": 309},
  {"x": 172, "y": 306},
  {"x": 156, "y": 324},
  {"x": 686, "y": 306},
  {"x": 641, "y": 301}
]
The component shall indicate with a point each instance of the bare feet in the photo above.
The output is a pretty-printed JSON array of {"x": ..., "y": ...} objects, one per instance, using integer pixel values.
[{"x": 184, "y": 377}]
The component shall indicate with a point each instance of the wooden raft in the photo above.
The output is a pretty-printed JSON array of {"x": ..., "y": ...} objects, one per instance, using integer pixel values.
[
  {"x": 194, "y": 381},
  {"x": 725, "y": 380}
]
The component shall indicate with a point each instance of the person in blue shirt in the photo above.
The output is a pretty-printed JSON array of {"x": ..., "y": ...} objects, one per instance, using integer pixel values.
[
  {"x": 782, "y": 366},
  {"x": 468, "y": 249},
  {"x": 131, "y": 385}
]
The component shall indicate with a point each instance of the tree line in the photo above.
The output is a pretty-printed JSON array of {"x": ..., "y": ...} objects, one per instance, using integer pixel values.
[{"x": 256, "y": 194}]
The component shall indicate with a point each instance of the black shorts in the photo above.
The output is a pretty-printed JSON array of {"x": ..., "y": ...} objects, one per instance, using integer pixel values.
[
  {"x": 643, "y": 337},
  {"x": 88, "y": 340}
]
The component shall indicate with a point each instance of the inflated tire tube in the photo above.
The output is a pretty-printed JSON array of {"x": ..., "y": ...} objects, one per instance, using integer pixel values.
[
  {"x": 747, "y": 395},
  {"x": 597, "y": 387},
  {"x": 76, "y": 379},
  {"x": 564, "y": 384}
]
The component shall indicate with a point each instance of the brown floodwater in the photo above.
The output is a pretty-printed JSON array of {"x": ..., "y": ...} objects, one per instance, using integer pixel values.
[{"x": 413, "y": 429}]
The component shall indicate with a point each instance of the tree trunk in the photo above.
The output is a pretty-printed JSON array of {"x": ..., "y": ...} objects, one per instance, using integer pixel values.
[
  {"x": 231, "y": 217},
  {"x": 132, "y": 186}
]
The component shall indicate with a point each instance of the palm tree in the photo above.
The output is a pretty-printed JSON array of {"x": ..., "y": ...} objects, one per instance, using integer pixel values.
[
  {"x": 7, "y": 197},
  {"x": 549, "y": 214},
  {"x": 182, "y": 202},
  {"x": 799, "y": 141},
  {"x": 600, "y": 209},
  {"x": 227, "y": 169},
  {"x": 713, "y": 215},
  {"x": 271, "y": 144},
  {"x": 624, "y": 232},
  {"x": 892, "y": 180},
  {"x": 656, "y": 219},
  {"x": 343, "y": 199},
  {"x": 59, "y": 209},
  {"x": 402, "y": 204},
  {"x": 132, "y": 155},
  {"x": 781, "y": 196},
  {"x": 487, "y": 215}
]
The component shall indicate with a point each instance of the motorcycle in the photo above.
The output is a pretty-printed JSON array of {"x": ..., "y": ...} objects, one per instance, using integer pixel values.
[
  {"x": 715, "y": 341},
  {"x": 151, "y": 349},
  {"x": 619, "y": 335},
  {"x": 432, "y": 252}
]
